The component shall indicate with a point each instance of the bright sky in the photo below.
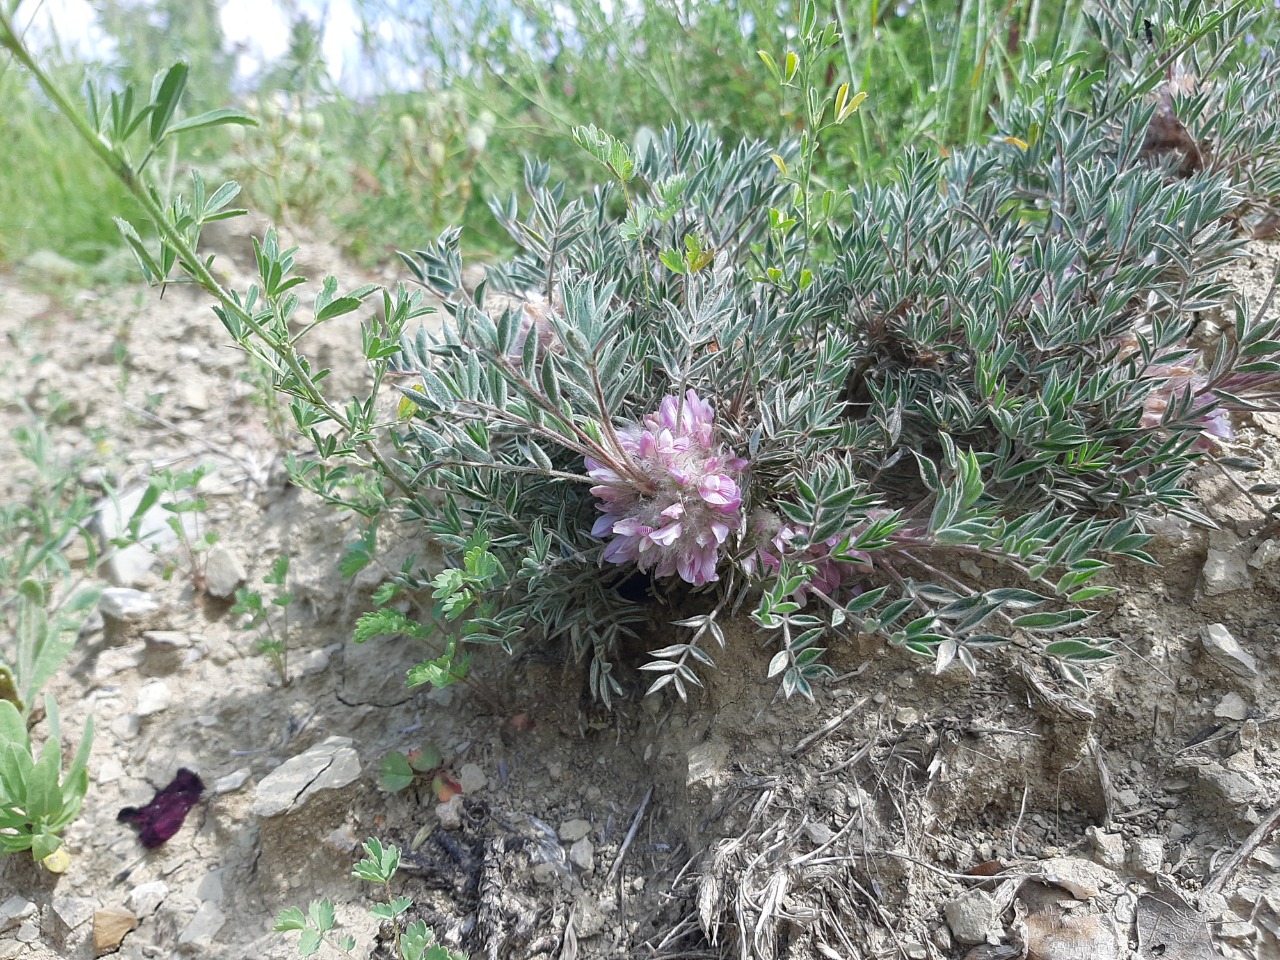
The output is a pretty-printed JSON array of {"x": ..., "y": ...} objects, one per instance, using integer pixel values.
[{"x": 259, "y": 28}]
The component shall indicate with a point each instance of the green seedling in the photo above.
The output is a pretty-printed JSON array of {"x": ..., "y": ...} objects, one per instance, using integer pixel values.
[
  {"x": 257, "y": 614},
  {"x": 172, "y": 491},
  {"x": 37, "y": 801},
  {"x": 416, "y": 941},
  {"x": 424, "y": 763}
]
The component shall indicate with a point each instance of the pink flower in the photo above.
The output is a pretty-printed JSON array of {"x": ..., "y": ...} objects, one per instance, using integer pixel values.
[
  {"x": 674, "y": 521},
  {"x": 1214, "y": 420},
  {"x": 774, "y": 541}
]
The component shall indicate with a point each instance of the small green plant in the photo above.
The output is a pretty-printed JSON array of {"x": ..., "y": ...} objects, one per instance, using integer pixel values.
[
  {"x": 41, "y": 604},
  {"x": 175, "y": 492},
  {"x": 425, "y": 763},
  {"x": 416, "y": 941},
  {"x": 257, "y": 616},
  {"x": 37, "y": 800}
]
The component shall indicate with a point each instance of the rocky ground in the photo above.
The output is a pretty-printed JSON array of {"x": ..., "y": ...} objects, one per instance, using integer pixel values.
[{"x": 901, "y": 815}]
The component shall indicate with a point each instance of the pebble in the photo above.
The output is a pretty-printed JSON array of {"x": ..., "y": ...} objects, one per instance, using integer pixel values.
[
  {"x": 326, "y": 766},
  {"x": 971, "y": 916},
  {"x": 15, "y": 910},
  {"x": 1225, "y": 571},
  {"x": 126, "y": 727},
  {"x": 1225, "y": 650},
  {"x": 472, "y": 778},
  {"x": 73, "y": 911},
  {"x": 145, "y": 898},
  {"x": 582, "y": 855},
  {"x": 110, "y": 924},
  {"x": 1232, "y": 707},
  {"x": 1146, "y": 856},
  {"x": 231, "y": 782},
  {"x": 204, "y": 925},
  {"x": 223, "y": 572},
  {"x": 572, "y": 830},
  {"x": 1108, "y": 848},
  {"x": 110, "y": 771},
  {"x": 153, "y": 697},
  {"x": 126, "y": 605},
  {"x": 449, "y": 813},
  {"x": 315, "y": 661}
]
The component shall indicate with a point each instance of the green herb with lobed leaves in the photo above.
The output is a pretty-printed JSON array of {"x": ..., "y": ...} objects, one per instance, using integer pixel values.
[
  {"x": 257, "y": 616},
  {"x": 416, "y": 941}
]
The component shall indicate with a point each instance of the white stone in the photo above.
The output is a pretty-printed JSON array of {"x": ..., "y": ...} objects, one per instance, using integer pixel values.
[
  {"x": 73, "y": 911},
  {"x": 315, "y": 661},
  {"x": 1108, "y": 848},
  {"x": 110, "y": 770},
  {"x": 326, "y": 766},
  {"x": 1225, "y": 650},
  {"x": 971, "y": 916},
  {"x": 204, "y": 925},
  {"x": 572, "y": 830},
  {"x": 153, "y": 697},
  {"x": 126, "y": 605},
  {"x": 126, "y": 566},
  {"x": 1232, "y": 707},
  {"x": 231, "y": 782},
  {"x": 471, "y": 778},
  {"x": 1146, "y": 856},
  {"x": 223, "y": 572},
  {"x": 1226, "y": 569},
  {"x": 582, "y": 855},
  {"x": 1265, "y": 555},
  {"x": 126, "y": 726},
  {"x": 145, "y": 898},
  {"x": 15, "y": 910},
  {"x": 449, "y": 813}
]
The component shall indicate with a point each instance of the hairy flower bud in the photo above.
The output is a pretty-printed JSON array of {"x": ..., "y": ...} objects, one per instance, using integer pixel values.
[{"x": 674, "y": 504}]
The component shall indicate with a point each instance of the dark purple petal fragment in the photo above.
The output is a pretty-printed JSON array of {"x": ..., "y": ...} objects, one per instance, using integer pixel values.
[{"x": 163, "y": 816}]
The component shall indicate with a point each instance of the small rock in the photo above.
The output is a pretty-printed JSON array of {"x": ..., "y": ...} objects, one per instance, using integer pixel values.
[
  {"x": 165, "y": 649},
  {"x": 207, "y": 922},
  {"x": 819, "y": 832},
  {"x": 145, "y": 898},
  {"x": 210, "y": 886},
  {"x": 126, "y": 727},
  {"x": 1238, "y": 789},
  {"x": 971, "y": 916},
  {"x": 1225, "y": 650},
  {"x": 15, "y": 910},
  {"x": 193, "y": 395},
  {"x": 223, "y": 572},
  {"x": 110, "y": 924},
  {"x": 1226, "y": 568},
  {"x": 1232, "y": 707},
  {"x": 1265, "y": 555},
  {"x": 110, "y": 770},
  {"x": 126, "y": 605},
  {"x": 471, "y": 778},
  {"x": 315, "y": 661},
  {"x": 1128, "y": 798},
  {"x": 572, "y": 830},
  {"x": 153, "y": 697},
  {"x": 583, "y": 855},
  {"x": 326, "y": 766},
  {"x": 906, "y": 716},
  {"x": 449, "y": 813},
  {"x": 231, "y": 782},
  {"x": 553, "y": 770},
  {"x": 126, "y": 566},
  {"x": 1108, "y": 848},
  {"x": 28, "y": 932},
  {"x": 1146, "y": 856},
  {"x": 74, "y": 911},
  {"x": 116, "y": 659}
]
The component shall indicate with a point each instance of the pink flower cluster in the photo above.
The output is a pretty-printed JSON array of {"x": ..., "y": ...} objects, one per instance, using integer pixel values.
[
  {"x": 682, "y": 499},
  {"x": 774, "y": 540}
]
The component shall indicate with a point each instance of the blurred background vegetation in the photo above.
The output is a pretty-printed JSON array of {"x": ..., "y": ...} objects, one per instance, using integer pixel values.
[{"x": 456, "y": 93}]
